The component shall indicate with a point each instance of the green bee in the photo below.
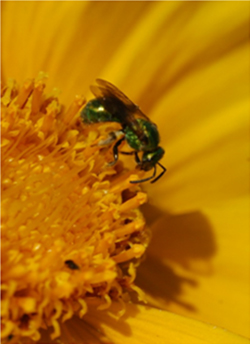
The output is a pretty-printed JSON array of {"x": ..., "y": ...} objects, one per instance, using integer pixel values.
[{"x": 111, "y": 105}]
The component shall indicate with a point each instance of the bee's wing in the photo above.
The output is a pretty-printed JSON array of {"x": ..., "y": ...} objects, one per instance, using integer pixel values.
[
  {"x": 105, "y": 89},
  {"x": 109, "y": 90}
]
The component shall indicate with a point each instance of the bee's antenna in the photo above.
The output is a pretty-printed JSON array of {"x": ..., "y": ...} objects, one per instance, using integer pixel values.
[{"x": 161, "y": 174}]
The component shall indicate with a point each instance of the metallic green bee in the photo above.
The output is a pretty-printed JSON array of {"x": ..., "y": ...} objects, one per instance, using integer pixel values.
[{"x": 111, "y": 105}]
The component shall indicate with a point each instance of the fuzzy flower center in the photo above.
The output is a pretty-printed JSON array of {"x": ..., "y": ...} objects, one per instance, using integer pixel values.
[{"x": 71, "y": 228}]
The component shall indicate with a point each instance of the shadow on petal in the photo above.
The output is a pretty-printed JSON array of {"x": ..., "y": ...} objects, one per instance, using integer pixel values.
[
  {"x": 92, "y": 327},
  {"x": 180, "y": 251},
  {"x": 162, "y": 285}
]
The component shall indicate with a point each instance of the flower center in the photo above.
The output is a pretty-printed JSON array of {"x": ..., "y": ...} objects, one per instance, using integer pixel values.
[{"x": 71, "y": 228}]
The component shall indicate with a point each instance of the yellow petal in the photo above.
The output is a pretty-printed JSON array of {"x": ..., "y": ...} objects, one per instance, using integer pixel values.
[
  {"x": 72, "y": 41},
  {"x": 198, "y": 265},
  {"x": 144, "y": 325}
]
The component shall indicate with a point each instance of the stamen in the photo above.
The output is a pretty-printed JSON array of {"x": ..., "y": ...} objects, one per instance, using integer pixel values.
[
  {"x": 66, "y": 224},
  {"x": 24, "y": 93}
]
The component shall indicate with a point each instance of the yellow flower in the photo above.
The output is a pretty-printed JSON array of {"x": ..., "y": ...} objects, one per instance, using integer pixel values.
[{"x": 186, "y": 64}]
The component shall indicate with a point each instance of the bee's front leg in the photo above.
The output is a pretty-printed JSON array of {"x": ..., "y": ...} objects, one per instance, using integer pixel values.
[
  {"x": 115, "y": 151},
  {"x": 113, "y": 135}
]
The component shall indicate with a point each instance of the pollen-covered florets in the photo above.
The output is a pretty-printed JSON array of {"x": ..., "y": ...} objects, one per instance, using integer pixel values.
[{"x": 71, "y": 228}]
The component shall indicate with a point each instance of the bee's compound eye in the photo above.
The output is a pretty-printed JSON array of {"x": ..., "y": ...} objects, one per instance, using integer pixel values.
[
  {"x": 147, "y": 162},
  {"x": 149, "y": 159},
  {"x": 158, "y": 154}
]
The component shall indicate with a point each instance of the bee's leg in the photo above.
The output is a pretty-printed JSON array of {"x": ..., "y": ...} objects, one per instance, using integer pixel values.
[
  {"x": 128, "y": 153},
  {"x": 137, "y": 159},
  {"x": 145, "y": 179},
  {"x": 153, "y": 175},
  {"x": 161, "y": 174},
  {"x": 113, "y": 135},
  {"x": 115, "y": 151}
]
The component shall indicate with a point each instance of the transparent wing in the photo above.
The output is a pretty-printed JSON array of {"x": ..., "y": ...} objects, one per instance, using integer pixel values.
[
  {"x": 128, "y": 110},
  {"x": 107, "y": 90}
]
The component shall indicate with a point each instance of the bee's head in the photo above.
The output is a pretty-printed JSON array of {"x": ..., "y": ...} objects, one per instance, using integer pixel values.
[{"x": 150, "y": 159}]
